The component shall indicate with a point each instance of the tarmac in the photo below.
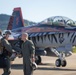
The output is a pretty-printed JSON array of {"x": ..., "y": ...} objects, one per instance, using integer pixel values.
[{"x": 47, "y": 68}]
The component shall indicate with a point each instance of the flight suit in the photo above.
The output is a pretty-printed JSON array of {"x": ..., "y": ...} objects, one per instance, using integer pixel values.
[
  {"x": 27, "y": 50},
  {"x": 7, "y": 49}
]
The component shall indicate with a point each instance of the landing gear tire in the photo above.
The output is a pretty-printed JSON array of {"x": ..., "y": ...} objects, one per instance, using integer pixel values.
[
  {"x": 58, "y": 63},
  {"x": 38, "y": 60},
  {"x": 64, "y": 63}
]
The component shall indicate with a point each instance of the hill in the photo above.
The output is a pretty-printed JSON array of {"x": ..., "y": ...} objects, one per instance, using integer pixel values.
[{"x": 4, "y": 19}]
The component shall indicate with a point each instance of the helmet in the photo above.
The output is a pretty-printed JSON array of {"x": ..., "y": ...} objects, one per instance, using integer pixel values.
[
  {"x": 7, "y": 32},
  {"x": 34, "y": 66}
]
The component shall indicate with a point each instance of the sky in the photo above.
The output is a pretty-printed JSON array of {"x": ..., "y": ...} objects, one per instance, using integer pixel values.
[{"x": 38, "y": 10}]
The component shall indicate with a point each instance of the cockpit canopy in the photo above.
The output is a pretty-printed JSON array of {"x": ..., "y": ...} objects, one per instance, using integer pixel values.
[{"x": 59, "y": 21}]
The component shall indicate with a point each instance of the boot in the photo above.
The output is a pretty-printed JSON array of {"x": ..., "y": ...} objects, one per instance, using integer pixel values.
[{"x": 7, "y": 73}]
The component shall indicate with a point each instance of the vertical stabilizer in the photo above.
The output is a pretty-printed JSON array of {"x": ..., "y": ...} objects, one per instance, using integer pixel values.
[{"x": 16, "y": 20}]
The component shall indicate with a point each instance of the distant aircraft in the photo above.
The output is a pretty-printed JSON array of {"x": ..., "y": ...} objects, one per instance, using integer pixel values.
[{"x": 54, "y": 36}]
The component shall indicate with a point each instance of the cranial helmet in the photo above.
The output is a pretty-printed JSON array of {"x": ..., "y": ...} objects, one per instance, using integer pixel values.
[{"x": 7, "y": 32}]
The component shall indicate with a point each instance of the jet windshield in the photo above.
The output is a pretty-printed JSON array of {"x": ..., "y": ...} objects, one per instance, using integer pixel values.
[{"x": 59, "y": 21}]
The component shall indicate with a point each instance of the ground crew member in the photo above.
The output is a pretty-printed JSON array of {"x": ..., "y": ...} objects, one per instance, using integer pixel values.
[
  {"x": 28, "y": 52},
  {"x": 7, "y": 49}
]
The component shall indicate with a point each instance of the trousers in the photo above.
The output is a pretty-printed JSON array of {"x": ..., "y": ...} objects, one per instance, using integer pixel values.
[
  {"x": 27, "y": 68},
  {"x": 8, "y": 67}
]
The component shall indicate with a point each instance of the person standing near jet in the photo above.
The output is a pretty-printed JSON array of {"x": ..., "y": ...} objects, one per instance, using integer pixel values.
[
  {"x": 7, "y": 49},
  {"x": 28, "y": 52}
]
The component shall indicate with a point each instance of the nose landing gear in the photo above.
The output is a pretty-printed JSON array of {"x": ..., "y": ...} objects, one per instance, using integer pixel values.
[{"x": 61, "y": 58}]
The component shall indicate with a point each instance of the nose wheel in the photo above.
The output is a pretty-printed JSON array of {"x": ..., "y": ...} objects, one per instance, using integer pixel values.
[
  {"x": 64, "y": 63},
  {"x": 60, "y": 62}
]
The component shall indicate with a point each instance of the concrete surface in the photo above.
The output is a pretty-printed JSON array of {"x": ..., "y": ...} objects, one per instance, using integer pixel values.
[{"x": 48, "y": 67}]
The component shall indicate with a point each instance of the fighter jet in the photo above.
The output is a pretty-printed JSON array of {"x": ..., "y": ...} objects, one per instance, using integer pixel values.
[{"x": 54, "y": 36}]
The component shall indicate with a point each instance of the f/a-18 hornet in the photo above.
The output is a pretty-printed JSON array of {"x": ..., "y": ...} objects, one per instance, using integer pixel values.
[{"x": 53, "y": 36}]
